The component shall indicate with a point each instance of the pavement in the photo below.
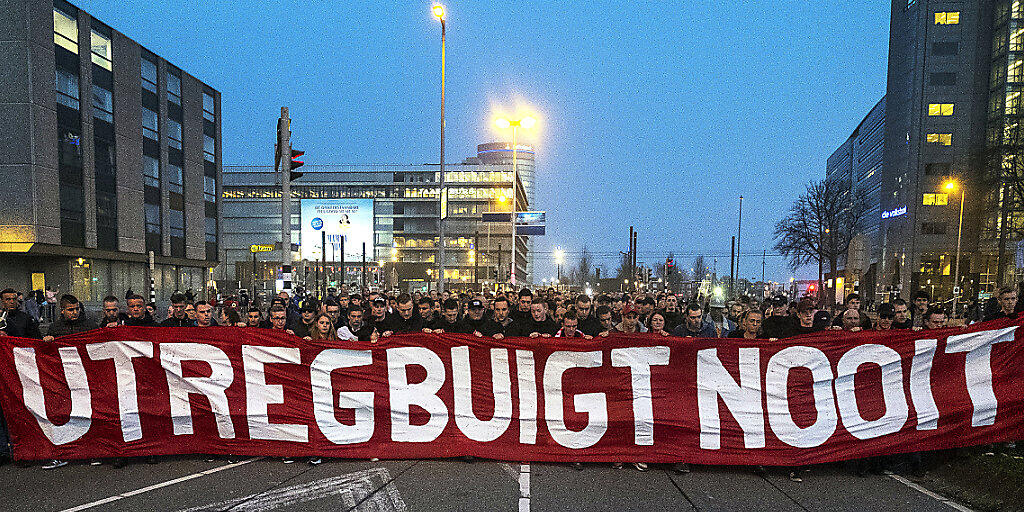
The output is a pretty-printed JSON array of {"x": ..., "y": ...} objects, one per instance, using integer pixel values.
[{"x": 263, "y": 484}]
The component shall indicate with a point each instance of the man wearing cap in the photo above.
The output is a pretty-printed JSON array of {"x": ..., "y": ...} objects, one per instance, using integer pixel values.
[
  {"x": 716, "y": 314},
  {"x": 378, "y": 313},
  {"x": 476, "y": 322},
  {"x": 304, "y": 326},
  {"x": 779, "y": 324},
  {"x": 630, "y": 320},
  {"x": 405, "y": 321},
  {"x": 694, "y": 324}
]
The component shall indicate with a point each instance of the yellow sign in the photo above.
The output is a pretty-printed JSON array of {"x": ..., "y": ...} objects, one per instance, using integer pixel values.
[
  {"x": 261, "y": 248},
  {"x": 38, "y": 281}
]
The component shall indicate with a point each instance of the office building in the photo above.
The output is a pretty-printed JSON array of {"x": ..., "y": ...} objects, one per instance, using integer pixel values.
[
  {"x": 857, "y": 166},
  {"x": 951, "y": 111},
  {"x": 109, "y": 154},
  {"x": 393, "y": 208}
]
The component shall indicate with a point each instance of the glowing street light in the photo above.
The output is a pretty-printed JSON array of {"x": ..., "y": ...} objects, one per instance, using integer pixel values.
[
  {"x": 504, "y": 123},
  {"x": 951, "y": 186},
  {"x": 439, "y": 12}
]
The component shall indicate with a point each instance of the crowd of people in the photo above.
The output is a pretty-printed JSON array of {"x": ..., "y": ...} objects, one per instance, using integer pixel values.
[{"x": 343, "y": 316}]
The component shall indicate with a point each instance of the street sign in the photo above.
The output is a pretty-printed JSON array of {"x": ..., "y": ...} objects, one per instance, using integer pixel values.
[
  {"x": 530, "y": 230},
  {"x": 531, "y": 218},
  {"x": 261, "y": 248},
  {"x": 497, "y": 217}
]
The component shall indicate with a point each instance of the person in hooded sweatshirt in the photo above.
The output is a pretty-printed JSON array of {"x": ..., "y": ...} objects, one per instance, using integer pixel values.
[{"x": 71, "y": 319}]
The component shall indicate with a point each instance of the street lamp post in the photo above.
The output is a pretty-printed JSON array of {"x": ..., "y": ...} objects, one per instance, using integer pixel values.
[
  {"x": 953, "y": 185},
  {"x": 526, "y": 122},
  {"x": 439, "y": 12},
  {"x": 559, "y": 258}
]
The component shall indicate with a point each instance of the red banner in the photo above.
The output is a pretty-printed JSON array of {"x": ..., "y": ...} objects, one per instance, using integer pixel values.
[{"x": 132, "y": 391}]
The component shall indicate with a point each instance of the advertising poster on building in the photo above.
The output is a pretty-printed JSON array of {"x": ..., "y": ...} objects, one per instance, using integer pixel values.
[{"x": 350, "y": 220}]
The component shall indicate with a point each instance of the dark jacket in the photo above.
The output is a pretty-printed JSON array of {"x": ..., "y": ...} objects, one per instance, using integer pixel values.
[
  {"x": 175, "y": 322},
  {"x": 396, "y": 324},
  {"x": 146, "y": 321},
  {"x": 529, "y": 326},
  {"x": 484, "y": 326},
  {"x": 738, "y": 334},
  {"x": 999, "y": 315},
  {"x": 778, "y": 326},
  {"x": 122, "y": 319},
  {"x": 364, "y": 333},
  {"x": 590, "y": 325},
  {"x": 21, "y": 325},
  {"x": 442, "y": 323},
  {"x": 61, "y": 327},
  {"x": 301, "y": 329},
  {"x": 707, "y": 330}
]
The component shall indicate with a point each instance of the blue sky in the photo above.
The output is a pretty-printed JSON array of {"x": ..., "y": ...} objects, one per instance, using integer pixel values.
[{"x": 658, "y": 115}]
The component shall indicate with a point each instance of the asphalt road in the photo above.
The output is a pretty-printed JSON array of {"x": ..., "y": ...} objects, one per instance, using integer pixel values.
[{"x": 264, "y": 484}]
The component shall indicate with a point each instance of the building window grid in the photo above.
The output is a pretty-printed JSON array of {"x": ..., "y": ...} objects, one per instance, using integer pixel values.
[
  {"x": 209, "y": 106},
  {"x": 102, "y": 103},
  {"x": 65, "y": 31},
  {"x": 173, "y": 88},
  {"x": 943, "y": 139},
  {"x": 940, "y": 109},
  {"x": 150, "y": 124},
  {"x": 102, "y": 51},
  {"x": 947, "y": 18},
  {"x": 149, "y": 75},
  {"x": 173, "y": 133},
  {"x": 935, "y": 200},
  {"x": 68, "y": 93}
]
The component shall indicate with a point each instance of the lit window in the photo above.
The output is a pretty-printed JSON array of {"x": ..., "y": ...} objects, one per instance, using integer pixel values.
[
  {"x": 65, "y": 31},
  {"x": 945, "y": 139},
  {"x": 101, "y": 53},
  {"x": 947, "y": 18},
  {"x": 936, "y": 199},
  {"x": 940, "y": 109}
]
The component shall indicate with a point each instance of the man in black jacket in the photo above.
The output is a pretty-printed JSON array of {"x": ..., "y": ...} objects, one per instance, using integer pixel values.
[
  {"x": 476, "y": 323},
  {"x": 178, "y": 317},
  {"x": 448, "y": 321},
  {"x": 137, "y": 314},
  {"x": 537, "y": 324},
  {"x": 71, "y": 319},
  {"x": 405, "y": 321},
  {"x": 13, "y": 321}
]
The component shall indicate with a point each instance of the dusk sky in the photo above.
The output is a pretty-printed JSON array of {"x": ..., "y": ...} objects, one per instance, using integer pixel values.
[{"x": 658, "y": 115}]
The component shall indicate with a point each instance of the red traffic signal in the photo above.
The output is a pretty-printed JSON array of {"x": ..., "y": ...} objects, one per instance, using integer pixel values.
[{"x": 295, "y": 164}]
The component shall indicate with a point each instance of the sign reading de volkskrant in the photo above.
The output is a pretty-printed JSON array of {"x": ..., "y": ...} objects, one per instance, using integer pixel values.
[{"x": 133, "y": 391}]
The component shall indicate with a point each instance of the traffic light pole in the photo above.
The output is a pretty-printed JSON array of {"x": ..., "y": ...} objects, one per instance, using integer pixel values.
[{"x": 284, "y": 166}]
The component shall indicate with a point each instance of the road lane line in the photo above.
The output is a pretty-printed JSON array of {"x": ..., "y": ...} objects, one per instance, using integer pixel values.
[
  {"x": 938, "y": 497},
  {"x": 524, "y": 488},
  {"x": 160, "y": 485}
]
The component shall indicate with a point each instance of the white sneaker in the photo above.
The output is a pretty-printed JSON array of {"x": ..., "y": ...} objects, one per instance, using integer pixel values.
[
  {"x": 54, "y": 464},
  {"x": 313, "y": 461}
]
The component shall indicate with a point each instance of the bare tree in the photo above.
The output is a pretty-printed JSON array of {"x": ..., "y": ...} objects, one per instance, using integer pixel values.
[
  {"x": 625, "y": 269},
  {"x": 700, "y": 268},
  {"x": 584, "y": 271},
  {"x": 819, "y": 226}
]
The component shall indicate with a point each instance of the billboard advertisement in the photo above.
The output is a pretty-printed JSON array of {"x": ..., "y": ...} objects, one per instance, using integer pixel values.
[{"x": 350, "y": 220}]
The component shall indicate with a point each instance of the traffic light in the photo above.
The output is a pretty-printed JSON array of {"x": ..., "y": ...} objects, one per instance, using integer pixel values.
[
  {"x": 811, "y": 288},
  {"x": 295, "y": 164},
  {"x": 670, "y": 266}
]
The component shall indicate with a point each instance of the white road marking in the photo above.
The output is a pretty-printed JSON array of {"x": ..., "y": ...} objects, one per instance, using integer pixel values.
[
  {"x": 160, "y": 485},
  {"x": 938, "y": 497},
  {"x": 371, "y": 489},
  {"x": 524, "y": 488}
]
